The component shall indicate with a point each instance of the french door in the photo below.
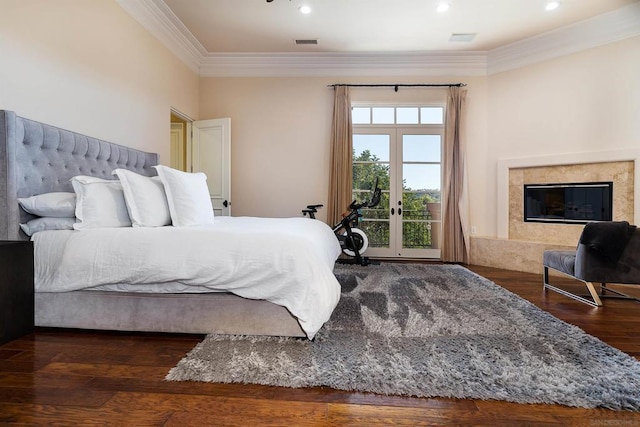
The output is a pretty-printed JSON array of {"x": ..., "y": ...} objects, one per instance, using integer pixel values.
[{"x": 407, "y": 162}]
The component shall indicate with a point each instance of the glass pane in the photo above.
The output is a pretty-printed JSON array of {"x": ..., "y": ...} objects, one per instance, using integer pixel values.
[
  {"x": 364, "y": 178},
  {"x": 381, "y": 211},
  {"x": 421, "y": 148},
  {"x": 421, "y": 177},
  {"x": 417, "y": 235},
  {"x": 432, "y": 115},
  {"x": 421, "y": 205},
  {"x": 377, "y": 232},
  {"x": 383, "y": 115},
  {"x": 361, "y": 115},
  {"x": 371, "y": 148},
  {"x": 407, "y": 115}
]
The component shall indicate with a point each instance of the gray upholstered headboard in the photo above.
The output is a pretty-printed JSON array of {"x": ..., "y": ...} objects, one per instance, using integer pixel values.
[{"x": 36, "y": 158}]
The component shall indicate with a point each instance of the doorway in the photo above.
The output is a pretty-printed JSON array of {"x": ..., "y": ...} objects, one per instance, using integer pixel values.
[
  {"x": 407, "y": 160},
  {"x": 204, "y": 146},
  {"x": 180, "y": 153}
]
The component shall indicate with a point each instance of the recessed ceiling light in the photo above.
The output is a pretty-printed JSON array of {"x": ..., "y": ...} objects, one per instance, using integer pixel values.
[
  {"x": 443, "y": 6},
  {"x": 552, "y": 5},
  {"x": 305, "y": 9}
]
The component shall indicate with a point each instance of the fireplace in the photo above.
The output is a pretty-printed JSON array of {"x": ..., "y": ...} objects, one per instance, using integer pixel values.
[
  {"x": 621, "y": 174},
  {"x": 568, "y": 203},
  {"x": 519, "y": 244}
]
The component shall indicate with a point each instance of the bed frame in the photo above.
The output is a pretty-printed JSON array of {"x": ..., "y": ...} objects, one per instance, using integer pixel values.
[{"x": 36, "y": 158}]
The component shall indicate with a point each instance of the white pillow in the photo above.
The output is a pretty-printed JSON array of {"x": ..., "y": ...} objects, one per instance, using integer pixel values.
[
  {"x": 188, "y": 197},
  {"x": 47, "y": 223},
  {"x": 145, "y": 198},
  {"x": 99, "y": 203},
  {"x": 57, "y": 204}
]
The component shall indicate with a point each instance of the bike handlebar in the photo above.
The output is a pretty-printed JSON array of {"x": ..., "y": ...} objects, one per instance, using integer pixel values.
[{"x": 375, "y": 199}]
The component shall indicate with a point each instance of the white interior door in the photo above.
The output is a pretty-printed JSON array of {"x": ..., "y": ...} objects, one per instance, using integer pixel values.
[{"x": 211, "y": 154}]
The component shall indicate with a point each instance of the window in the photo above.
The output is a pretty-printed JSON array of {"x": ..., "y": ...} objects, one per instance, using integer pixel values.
[{"x": 427, "y": 115}]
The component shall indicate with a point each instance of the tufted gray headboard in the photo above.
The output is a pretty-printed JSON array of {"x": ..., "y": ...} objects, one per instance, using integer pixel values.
[{"x": 36, "y": 158}]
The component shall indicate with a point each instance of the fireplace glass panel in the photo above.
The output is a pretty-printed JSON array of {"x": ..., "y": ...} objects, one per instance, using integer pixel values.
[{"x": 568, "y": 203}]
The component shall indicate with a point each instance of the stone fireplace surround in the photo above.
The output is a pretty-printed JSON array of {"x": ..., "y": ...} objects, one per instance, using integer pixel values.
[{"x": 519, "y": 245}]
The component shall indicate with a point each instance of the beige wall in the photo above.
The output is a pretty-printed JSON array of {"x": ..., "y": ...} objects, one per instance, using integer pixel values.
[
  {"x": 585, "y": 102},
  {"x": 279, "y": 130},
  {"x": 281, "y": 133},
  {"x": 88, "y": 66}
]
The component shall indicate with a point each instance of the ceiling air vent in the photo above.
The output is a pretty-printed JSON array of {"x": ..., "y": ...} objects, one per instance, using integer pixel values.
[
  {"x": 306, "y": 41},
  {"x": 462, "y": 37}
]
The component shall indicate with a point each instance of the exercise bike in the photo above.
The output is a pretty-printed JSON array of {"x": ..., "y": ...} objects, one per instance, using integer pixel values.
[{"x": 353, "y": 241}]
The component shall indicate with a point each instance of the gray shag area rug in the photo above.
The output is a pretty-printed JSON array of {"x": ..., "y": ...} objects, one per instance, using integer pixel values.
[{"x": 429, "y": 331}]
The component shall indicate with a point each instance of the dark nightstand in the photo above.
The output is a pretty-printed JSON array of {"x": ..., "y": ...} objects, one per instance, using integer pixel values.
[{"x": 16, "y": 289}]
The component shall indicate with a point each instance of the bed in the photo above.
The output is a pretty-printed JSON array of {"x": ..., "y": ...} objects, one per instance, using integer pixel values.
[{"x": 37, "y": 158}]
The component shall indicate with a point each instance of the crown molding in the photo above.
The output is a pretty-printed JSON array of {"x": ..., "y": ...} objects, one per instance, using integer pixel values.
[
  {"x": 343, "y": 64},
  {"x": 160, "y": 21},
  {"x": 599, "y": 30}
]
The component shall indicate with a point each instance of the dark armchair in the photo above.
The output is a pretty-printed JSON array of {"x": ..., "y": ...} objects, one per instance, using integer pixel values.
[{"x": 608, "y": 252}]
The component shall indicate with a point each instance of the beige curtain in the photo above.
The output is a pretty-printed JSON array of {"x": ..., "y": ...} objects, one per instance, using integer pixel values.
[
  {"x": 455, "y": 203},
  {"x": 340, "y": 179}
]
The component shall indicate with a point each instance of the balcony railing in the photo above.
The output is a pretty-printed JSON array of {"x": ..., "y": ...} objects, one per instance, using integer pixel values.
[{"x": 416, "y": 228}]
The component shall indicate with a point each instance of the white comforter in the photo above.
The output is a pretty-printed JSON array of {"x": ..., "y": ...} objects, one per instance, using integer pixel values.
[{"x": 286, "y": 261}]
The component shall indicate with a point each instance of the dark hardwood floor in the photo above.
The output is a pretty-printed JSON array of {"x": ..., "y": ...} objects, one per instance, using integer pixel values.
[{"x": 69, "y": 377}]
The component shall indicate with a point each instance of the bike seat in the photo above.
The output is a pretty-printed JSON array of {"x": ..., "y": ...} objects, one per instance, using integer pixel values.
[{"x": 314, "y": 207}]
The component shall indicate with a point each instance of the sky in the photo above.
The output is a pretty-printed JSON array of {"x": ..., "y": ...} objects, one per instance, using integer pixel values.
[{"x": 413, "y": 148}]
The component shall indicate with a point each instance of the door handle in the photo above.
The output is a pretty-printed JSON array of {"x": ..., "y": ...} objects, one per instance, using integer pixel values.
[{"x": 225, "y": 203}]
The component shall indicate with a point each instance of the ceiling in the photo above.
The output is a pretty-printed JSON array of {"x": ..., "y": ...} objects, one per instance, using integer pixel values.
[{"x": 343, "y": 26}]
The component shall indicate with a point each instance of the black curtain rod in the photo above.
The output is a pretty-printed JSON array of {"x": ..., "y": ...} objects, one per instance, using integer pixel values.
[{"x": 395, "y": 86}]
